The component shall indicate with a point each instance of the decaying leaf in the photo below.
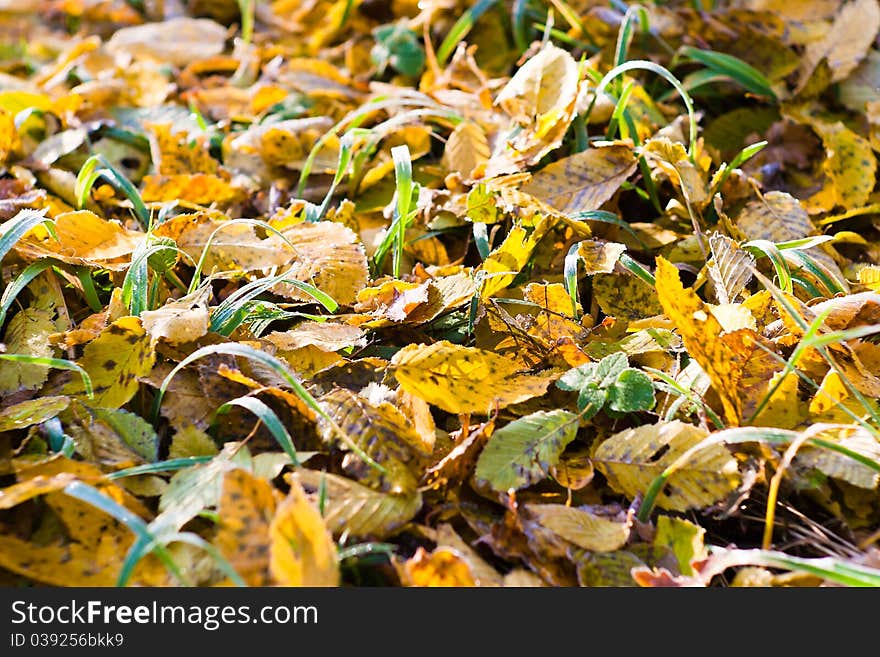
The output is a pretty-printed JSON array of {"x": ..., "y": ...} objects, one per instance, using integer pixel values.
[
  {"x": 522, "y": 452},
  {"x": 583, "y": 181},
  {"x": 114, "y": 361},
  {"x": 302, "y": 552},
  {"x": 721, "y": 355},
  {"x": 358, "y": 511},
  {"x": 462, "y": 379},
  {"x": 633, "y": 458}
]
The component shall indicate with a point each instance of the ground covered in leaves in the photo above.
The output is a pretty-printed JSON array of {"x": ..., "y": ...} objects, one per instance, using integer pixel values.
[{"x": 378, "y": 292}]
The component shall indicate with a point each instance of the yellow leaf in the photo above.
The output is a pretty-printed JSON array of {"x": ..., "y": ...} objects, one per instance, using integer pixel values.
[
  {"x": 551, "y": 297},
  {"x": 200, "y": 188},
  {"x": 191, "y": 441},
  {"x": 850, "y": 166},
  {"x": 845, "y": 44},
  {"x": 625, "y": 297},
  {"x": 442, "y": 567},
  {"x": 672, "y": 158},
  {"x": 599, "y": 257},
  {"x": 869, "y": 276},
  {"x": 540, "y": 98},
  {"x": 383, "y": 433},
  {"x": 27, "y": 333},
  {"x": 463, "y": 379},
  {"x": 114, "y": 361},
  {"x": 89, "y": 553},
  {"x": 358, "y": 511},
  {"x": 177, "y": 41},
  {"x": 9, "y": 139},
  {"x": 684, "y": 538},
  {"x": 331, "y": 257},
  {"x": 179, "y": 321},
  {"x": 506, "y": 261},
  {"x": 752, "y": 576},
  {"x": 302, "y": 550},
  {"x": 178, "y": 153},
  {"x": 466, "y": 149},
  {"x": 583, "y": 181},
  {"x": 309, "y": 337},
  {"x": 33, "y": 411},
  {"x": 784, "y": 409},
  {"x": 721, "y": 355},
  {"x": 247, "y": 506},
  {"x": 235, "y": 247},
  {"x": 633, "y": 458},
  {"x": 40, "y": 485},
  {"x": 84, "y": 238},
  {"x": 839, "y": 466},
  {"x": 582, "y": 527},
  {"x": 574, "y": 469}
]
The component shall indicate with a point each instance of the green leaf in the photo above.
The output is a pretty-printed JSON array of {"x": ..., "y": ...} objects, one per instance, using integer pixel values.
[
  {"x": 399, "y": 47},
  {"x": 632, "y": 391},
  {"x": 602, "y": 374},
  {"x": 136, "y": 432},
  {"x": 522, "y": 452}
]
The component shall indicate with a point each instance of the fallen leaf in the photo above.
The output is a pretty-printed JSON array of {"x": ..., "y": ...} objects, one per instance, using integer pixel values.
[
  {"x": 302, "y": 552},
  {"x": 463, "y": 379},
  {"x": 582, "y": 527},
  {"x": 114, "y": 361},
  {"x": 521, "y": 453},
  {"x": 633, "y": 458},
  {"x": 583, "y": 181}
]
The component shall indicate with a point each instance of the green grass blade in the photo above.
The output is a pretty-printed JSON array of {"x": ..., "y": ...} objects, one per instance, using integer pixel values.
[
  {"x": 21, "y": 281},
  {"x": 97, "y": 166},
  {"x": 635, "y": 268},
  {"x": 748, "y": 77},
  {"x": 91, "y": 495},
  {"x": 268, "y": 417},
  {"x": 232, "y": 311},
  {"x": 461, "y": 28},
  {"x": 404, "y": 185},
  {"x": 767, "y": 248},
  {"x": 13, "y": 230},
  {"x": 644, "y": 65},
  {"x": 570, "y": 277},
  {"x": 481, "y": 239},
  {"x": 55, "y": 363},
  {"x": 276, "y": 366},
  {"x": 162, "y": 466}
]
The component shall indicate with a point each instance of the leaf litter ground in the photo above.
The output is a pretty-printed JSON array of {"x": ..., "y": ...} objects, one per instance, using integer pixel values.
[{"x": 502, "y": 294}]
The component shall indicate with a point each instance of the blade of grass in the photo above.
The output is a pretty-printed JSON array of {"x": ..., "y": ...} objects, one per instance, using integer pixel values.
[
  {"x": 276, "y": 366},
  {"x": 162, "y": 466},
  {"x": 461, "y": 28},
  {"x": 98, "y": 166},
  {"x": 20, "y": 282},
  {"x": 55, "y": 363},
  {"x": 22, "y": 223},
  {"x": 747, "y": 76},
  {"x": 91, "y": 495},
  {"x": 268, "y": 417},
  {"x": 481, "y": 239},
  {"x": 641, "y": 64}
]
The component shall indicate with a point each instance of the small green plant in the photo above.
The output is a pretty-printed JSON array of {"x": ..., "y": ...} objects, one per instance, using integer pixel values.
[
  {"x": 610, "y": 384},
  {"x": 398, "y": 46},
  {"x": 404, "y": 211},
  {"x": 97, "y": 167}
]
